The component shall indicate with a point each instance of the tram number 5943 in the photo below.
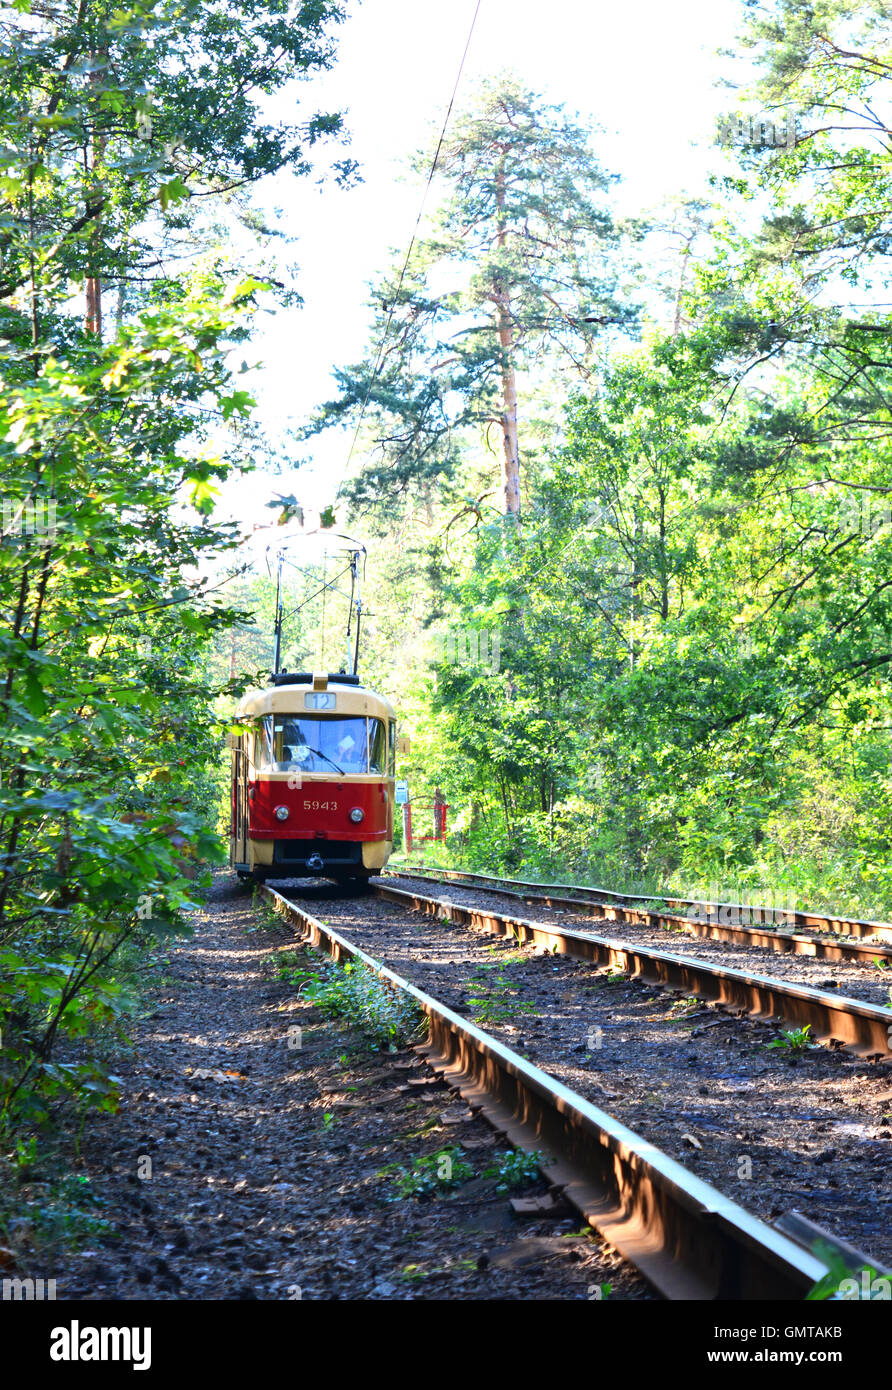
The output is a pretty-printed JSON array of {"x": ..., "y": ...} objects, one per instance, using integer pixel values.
[{"x": 320, "y": 805}]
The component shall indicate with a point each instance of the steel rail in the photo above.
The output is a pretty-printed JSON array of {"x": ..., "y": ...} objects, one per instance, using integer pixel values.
[
  {"x": 686, "y": 1237},
  {"x": 796, "y": 917},
  {"x": 764, "y": 936},
  {"x": 853, "y": 1023}
]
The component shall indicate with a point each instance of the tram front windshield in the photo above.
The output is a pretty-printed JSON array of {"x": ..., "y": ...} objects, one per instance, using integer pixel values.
[{"x": 302, "y": 743}]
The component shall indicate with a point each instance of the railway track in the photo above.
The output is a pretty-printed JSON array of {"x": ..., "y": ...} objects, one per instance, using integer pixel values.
[
  {"x": 682, "y": 1233},
  {"x": 749, "y": 924},
  {"x": 835, "y": 1019}
]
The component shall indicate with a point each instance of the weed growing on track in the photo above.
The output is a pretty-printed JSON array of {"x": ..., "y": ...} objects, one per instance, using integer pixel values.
[
  {"x": 447, "y": 1168},
  {"x": 353, "y": 992},
  {"x": 425, "y": 1130},
  {"x": 681, "y": 1008},
  {"x": 289, "y": 966},
  {"x": 612, "y": 977},
  {"x": 496, "y": 1003},
  {"x": 512, "y": 958},
  {"x": 513, "y": 1169},
  {"x": 416, "y": 1274},
  {"x": 868, "y": 1284},
  {"x": 438, "y": 1172},
  {"x": 794, "y": 1039}
]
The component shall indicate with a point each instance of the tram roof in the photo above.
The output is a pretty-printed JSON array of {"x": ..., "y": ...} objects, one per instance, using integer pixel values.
[{"x": 286, "y": 694}]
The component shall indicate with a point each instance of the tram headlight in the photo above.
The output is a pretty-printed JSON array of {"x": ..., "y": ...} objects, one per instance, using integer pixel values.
[
  {"x": 356, "y": 815},
  {"x": 281, "y": 813}
]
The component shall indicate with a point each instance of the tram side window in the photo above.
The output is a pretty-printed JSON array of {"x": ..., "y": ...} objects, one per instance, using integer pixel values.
[
  {"x": 377, "y": 746},
  {"x": 391, "y": 748},
  {"x": 263, "y": 744}
]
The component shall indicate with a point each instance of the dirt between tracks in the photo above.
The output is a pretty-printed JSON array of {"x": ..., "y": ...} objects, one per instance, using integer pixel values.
[
  {"x": 243, "y": 1166},
  {"x": 775, "y": 1130}
]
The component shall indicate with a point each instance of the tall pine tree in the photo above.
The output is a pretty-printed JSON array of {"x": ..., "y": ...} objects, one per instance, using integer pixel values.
[{"x": 517, "y": 268}]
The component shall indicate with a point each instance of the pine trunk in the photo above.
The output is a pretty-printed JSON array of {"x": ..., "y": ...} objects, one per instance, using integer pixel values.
[
  {"x": 93, "y": 317},
  {"x": 511, "y": 461},
  {"x": 93, "y": 286}
]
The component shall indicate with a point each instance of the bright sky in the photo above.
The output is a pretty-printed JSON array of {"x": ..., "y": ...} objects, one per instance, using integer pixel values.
[{"x": 644, "y": 70}]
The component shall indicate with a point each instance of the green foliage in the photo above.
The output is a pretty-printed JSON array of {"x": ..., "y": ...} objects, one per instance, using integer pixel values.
[
  {"x": 514, "y": 1169},
  {"x": 828, "y": 1286},
  {"x": 692, "y": 685},
  {"x": 512, "y": 276},
  {"x": 694, "y": 612},
  {"x": 497, "y": 998},
  {"x": 291, "y": 966},
  {"x": 71, "y": 1217},
  {"x": 682, "y": 1007},
  {"x": 41, "y": 1207},
  {"x": 794, "y": 1040},
  {"x": 123, "y": 120},
  {"x": 121, "y": 130},
  {"x": 437, "y": 1172},
  {"x": 355, "y": 993}
]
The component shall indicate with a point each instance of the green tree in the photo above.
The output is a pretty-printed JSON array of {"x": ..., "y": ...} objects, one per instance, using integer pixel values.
[
  {"x": 111, "y": 452},
  {"x": 516, "y": 271},
  {"x": 125, "y": 122}
]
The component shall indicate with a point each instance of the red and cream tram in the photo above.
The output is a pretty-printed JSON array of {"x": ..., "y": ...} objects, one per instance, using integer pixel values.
[{"x": 312, "y": 779}]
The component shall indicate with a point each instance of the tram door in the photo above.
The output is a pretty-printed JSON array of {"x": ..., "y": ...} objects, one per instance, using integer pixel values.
[{"x": 240, "y": 797}]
